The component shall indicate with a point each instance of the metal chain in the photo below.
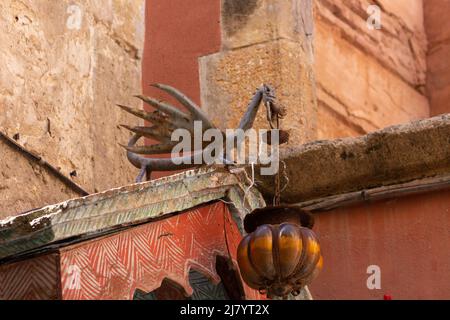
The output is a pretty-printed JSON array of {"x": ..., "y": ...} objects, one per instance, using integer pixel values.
[{"x": 277, "y": 199}]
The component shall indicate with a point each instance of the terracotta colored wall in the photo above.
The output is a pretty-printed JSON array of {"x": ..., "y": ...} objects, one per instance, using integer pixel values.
[
  {"x": 438, "y": 31},
  {"x": 408, "y": 238},
  {"x": 385, "y": 68},
  {"x": 178, "y": 32}
]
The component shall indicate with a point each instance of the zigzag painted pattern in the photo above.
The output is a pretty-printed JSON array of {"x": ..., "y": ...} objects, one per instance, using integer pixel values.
[
  {"x": 142, "y": 257},
  {"x": 32, "y": 279},
  {"x": 138, "y": 258}
]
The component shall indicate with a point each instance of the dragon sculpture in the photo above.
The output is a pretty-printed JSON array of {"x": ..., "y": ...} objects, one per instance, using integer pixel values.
[{"x": 167, "y": 118}]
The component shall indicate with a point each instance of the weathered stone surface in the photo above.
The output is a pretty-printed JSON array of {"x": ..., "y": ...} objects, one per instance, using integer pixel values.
[
  {"x": 269, "y": 42},
  {"x": 26, "y": 185},
  {"x": 64, "y": 65},
  {"x": 333, "y": 123},
  {"x": 368, "y": 79},
  {"x": 399, "y": 46},
  {"x": 385, "y": 69},
  {"x": 394, "y": 155},
  {"x": 257, "y": 21},
  {"x": 409, "y": 12},
  {"x": 436, "y": 25},
  {"x": 438, "y": 32},
  {"x": 233, "y": 76},
  {"x": 360, "y": 90}
]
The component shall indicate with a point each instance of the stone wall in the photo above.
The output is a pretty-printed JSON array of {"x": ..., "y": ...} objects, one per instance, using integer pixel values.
[
  {"x": 64, "y": 64},
  {"x": 369, "y": 79},
  {"x": 263, "y": 41},
  {"x": 438, "y": 31},
  {"x": 25, "y": 184}
]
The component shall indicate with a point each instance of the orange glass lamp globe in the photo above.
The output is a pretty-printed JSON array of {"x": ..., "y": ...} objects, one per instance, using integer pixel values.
[{"x": 279, "y": 259}]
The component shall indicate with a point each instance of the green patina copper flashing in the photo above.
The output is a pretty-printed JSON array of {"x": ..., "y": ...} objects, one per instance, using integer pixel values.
[{"x": 99, "y": 214}]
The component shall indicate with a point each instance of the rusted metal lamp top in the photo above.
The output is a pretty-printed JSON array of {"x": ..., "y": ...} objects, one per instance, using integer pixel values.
[{"x": 277, "y": 214}]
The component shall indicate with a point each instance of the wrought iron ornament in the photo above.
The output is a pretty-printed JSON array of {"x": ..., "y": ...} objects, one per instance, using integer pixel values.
[
  {"x": 281, "y": 254},
  {"x": 167, "y": 118}
]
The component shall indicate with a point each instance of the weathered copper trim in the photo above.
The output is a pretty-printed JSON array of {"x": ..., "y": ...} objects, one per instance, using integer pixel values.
[
  {"x": 376, "y": 194},
  {"x": 102, "y": 213}
]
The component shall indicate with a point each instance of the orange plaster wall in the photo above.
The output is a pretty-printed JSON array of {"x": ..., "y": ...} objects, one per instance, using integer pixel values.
[
  {"x": 408, "y": 238},
  {"x": 178, "y": 32}
]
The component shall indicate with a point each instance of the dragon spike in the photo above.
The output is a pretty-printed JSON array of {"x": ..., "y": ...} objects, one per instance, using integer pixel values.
[
  {"x": 149, "y": 116},
  {"x": 150, "y": 132},
  {"x": 162, "y": 148},
  {"x": 188, "y": 103},
  {"x": 164, "y": 107}
]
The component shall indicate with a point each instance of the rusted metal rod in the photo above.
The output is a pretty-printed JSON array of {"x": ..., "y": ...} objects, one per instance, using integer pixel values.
[
  {"x": 38, "y": 159},
  {"x": 376, "y": 194}
]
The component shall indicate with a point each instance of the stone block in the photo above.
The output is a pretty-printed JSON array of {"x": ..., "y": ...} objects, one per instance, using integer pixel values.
[
  {"x": 26, "y": 185},
  {"x": 229, "y": 79},
  {"x": 410, "y": 12},
  {"x": 399, "y": 46},
  {"x": 360, "y": 89},
  {"x": 256, "y": 21},
  {"x": 64, "y": 66},
  {"x": 390, "y": 156},
  {"x": 438, "y": 32}
]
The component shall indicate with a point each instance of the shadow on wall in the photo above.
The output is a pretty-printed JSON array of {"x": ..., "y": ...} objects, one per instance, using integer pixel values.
[{"x": 235, "y": 13}]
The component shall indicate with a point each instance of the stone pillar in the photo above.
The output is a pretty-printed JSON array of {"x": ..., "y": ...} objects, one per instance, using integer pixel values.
[
  {"x": 263, "y": 41},
  {"x": 367, "y": 78}
]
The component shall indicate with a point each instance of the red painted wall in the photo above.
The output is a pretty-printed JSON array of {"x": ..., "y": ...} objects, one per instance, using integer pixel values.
[
  {"x": 32, "y": 279},
  {"x": 178, "y": 32},
  {"x": 115, "y": 266},
  {"x": 409, "y": 238},
  {"x": 140, "y": 257}
]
